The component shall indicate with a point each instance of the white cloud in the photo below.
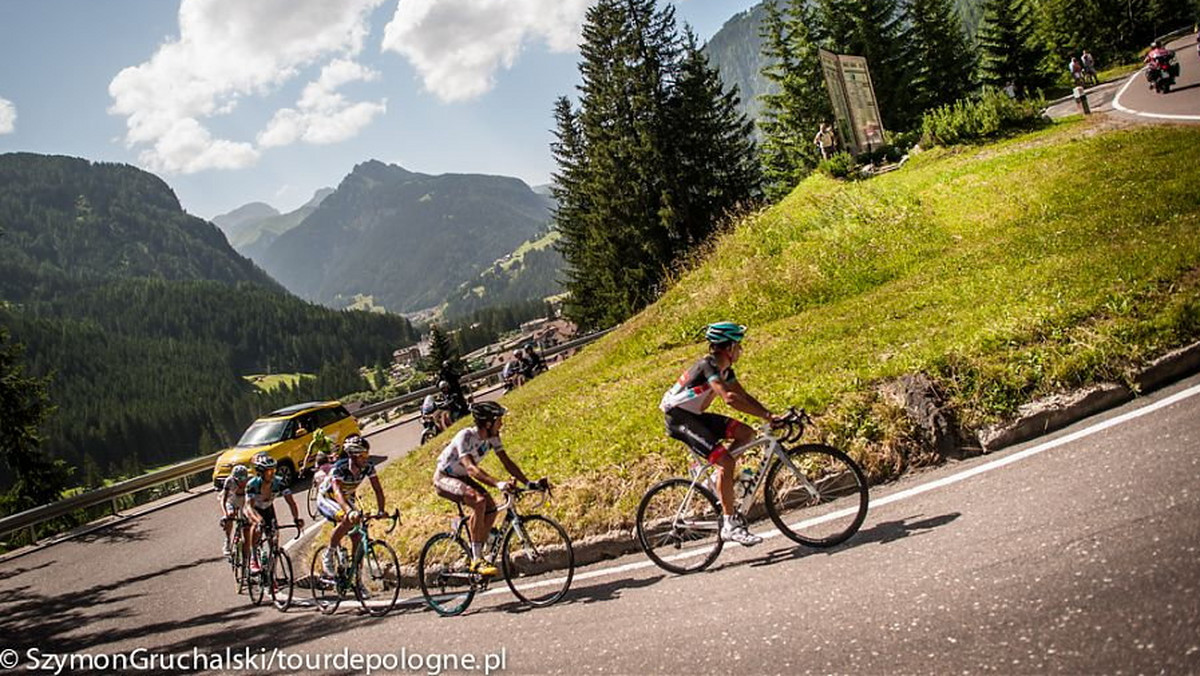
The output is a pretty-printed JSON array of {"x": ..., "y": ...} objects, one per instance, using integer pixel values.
[
  {"x": 323, "y": 116},
  {"x": 457, "y": 45},
  {"x": 227, "y": 50},
  {"x": 8, "y": 116}
]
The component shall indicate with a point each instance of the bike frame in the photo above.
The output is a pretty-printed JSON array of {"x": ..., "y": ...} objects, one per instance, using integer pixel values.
[
  {"x": 774, "y": 454},
  {"x": 512, "y": 521}
]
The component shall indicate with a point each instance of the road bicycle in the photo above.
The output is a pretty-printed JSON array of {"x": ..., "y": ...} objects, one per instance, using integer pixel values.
[
  {"x": 536, "y": 558},
  {"x": 371, "y": 572},
  {"x": 275, "y": 569},
  {"x": 237, "y": 557},
  {"x": 815, "y": 494}
]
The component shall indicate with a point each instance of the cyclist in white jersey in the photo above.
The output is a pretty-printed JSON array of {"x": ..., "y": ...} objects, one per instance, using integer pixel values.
[
  {"x": 232, "y": 497},
  {"x": 684, "y": 407},
  {"x": 458, "y": 476}
]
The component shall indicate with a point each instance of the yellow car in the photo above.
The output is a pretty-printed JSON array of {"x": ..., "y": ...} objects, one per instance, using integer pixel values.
[{"x": 285, "y": 435}]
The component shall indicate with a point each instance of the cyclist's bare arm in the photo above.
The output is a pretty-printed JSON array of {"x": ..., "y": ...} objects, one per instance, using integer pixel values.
[
  {"x": 292, "y": 504},
  {"x": 340, "y": 498},
  {"x": 511, "y": 467},
  {"x": 378, "y": 488},
  {"x": 476, "y": 472},
  {"x": 736, "y": 397}
]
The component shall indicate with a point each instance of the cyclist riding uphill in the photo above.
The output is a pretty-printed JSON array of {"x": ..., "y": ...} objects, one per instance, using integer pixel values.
[
  {"x": 336, "y": 501},
  {"x": 685, "y": 403},
  {"x": 261, "y": 492},
  {"x": 233, "y": 498},
  {"x": 458, "y": 476}
]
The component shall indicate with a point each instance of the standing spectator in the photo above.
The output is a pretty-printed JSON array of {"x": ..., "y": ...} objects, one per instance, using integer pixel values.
[
  {"x": 825, "y": 140},
  {"x": 1076, "y": 69},
  {"x": 1089, "y": 67}
]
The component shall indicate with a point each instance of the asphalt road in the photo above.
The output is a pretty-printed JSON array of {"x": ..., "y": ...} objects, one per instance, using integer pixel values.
[
  {"x": 1077, "y": 553},
  {"x": 1182, "y": 103},
  {"x": 1131, "y": 97}
]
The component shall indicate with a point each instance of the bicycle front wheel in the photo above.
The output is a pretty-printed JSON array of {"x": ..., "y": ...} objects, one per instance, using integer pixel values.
[
  {"x": 281, "y": 580},
  {"x": 819, "y": 497},
  {"x": 378, "y": 579},
  {"x": 326, "y": 591},
  {"x": 443, "y": 573},
  {"x": 256, "y": 583},
  {"x": 679, "y": 526},
  {"x": 538, "y": 560}
]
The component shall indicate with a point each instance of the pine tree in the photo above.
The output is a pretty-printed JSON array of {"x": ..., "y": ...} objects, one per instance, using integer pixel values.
[
  {"x": 23, "y": 409},
  {"x": 637, "y": 185},
  {"x": 791, "y": 116},
  {"x": 1009, "y": 50},
  {"x": 717, "y": 164},
  {"x": 440, "y": 349},
  {"x": 944, "y": 61}
]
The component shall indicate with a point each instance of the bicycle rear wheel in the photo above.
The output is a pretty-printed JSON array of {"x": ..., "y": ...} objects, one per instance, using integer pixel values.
[
  {"x": 679, "y": 526},
  {"x": 378, "y": 584},
  {"x": 326, "y": 591},
  {"x": 282, "y": 582},
  {"x": 820, "y": 503},
  {"x": 538, "y": 560},
  {"x": 443, "y": 573}
]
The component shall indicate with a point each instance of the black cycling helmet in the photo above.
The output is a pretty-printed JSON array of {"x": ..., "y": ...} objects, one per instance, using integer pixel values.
[
  {"x": 356, "y": 440},
  {"x": 485, "y": 412},
  {"x": 263, "y": 462}
]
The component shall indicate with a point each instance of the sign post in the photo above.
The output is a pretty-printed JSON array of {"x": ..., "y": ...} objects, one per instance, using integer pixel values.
[{"x": 848, "y": 80}]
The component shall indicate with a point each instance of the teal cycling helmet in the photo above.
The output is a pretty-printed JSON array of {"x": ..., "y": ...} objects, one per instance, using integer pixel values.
[{"x": 724, "y": 332}]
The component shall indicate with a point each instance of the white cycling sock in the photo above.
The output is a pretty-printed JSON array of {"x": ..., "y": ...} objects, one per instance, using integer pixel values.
[{"x": 476, "y": 549}]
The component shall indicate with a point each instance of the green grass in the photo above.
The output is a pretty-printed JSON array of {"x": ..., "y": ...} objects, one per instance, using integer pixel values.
[
  {"x": 531, "y": 245},
  {"x": 1007, "y": 271},
  {"x": 270, "y": 383}
]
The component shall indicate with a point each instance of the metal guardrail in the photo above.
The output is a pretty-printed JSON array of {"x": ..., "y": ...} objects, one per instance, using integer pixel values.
[{"x": 110, "y": 494}]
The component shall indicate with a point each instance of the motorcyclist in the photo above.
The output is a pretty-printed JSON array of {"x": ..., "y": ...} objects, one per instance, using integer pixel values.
[
  {"x": 534, "y": 360},
  {"x": 1158, "y": 60},
  {"x": 514, "y": 371},
  {"x": 437, "y": 408}
]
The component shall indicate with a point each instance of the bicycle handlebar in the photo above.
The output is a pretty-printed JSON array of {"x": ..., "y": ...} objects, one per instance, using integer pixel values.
[
  {"x": 394, "y": 516},
  {"x": 793, "y": 424}
]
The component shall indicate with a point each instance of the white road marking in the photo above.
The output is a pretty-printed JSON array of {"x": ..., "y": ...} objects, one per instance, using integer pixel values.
[
  {"x": 1161, "y": 116},
  {"x": 875, "y": 503}
]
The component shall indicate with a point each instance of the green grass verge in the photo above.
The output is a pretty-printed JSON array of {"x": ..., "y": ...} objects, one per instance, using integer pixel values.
[
  {"x": 1006, "y": 271},
  {"x": 269, "y": 383}
]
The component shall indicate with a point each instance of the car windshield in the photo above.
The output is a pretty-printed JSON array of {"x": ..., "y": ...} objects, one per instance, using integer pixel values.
[{"x": 263, "y": 432}]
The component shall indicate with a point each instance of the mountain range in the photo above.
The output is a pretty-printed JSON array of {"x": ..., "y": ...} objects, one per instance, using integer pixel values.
[
  {"x": 405, "y": 240},
  {"x": 144, "y": 320}
]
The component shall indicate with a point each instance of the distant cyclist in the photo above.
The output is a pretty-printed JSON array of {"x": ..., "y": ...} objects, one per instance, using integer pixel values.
[
  {"x": 261, "y": 492},
  {"x": 336, "y": 500},
  {"x": 685, "y": 403},
  {"x": 458, "y": 476},
  {"x": 233, "y": 498}
]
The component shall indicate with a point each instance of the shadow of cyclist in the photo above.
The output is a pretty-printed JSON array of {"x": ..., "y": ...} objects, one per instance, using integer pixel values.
[{"x": 883, "y": 532}]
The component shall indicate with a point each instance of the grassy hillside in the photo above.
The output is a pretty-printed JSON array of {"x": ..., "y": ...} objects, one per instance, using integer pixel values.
[{"x": 1006, "y": 271}]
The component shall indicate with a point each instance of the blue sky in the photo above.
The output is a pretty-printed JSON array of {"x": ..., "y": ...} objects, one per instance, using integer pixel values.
[{"x": 234, "y": 101}]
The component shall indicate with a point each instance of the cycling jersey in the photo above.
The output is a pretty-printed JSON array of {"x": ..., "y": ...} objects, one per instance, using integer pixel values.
[
  {"x": 347, "y": 477},
  {"x": 466, "y": 443},
  {"x": 233, "y": 494},
  {"x": 255, "y": 492},
  {"x": 693, "y": 391}
]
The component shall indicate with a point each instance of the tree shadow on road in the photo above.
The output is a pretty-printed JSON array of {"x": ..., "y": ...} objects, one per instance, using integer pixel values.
[
  {"x": 30, "y": 618},
  {"x": 883, "y": 532},
  {"x": 128, "y": 531},
  {"x": 9, "y": 574}
]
